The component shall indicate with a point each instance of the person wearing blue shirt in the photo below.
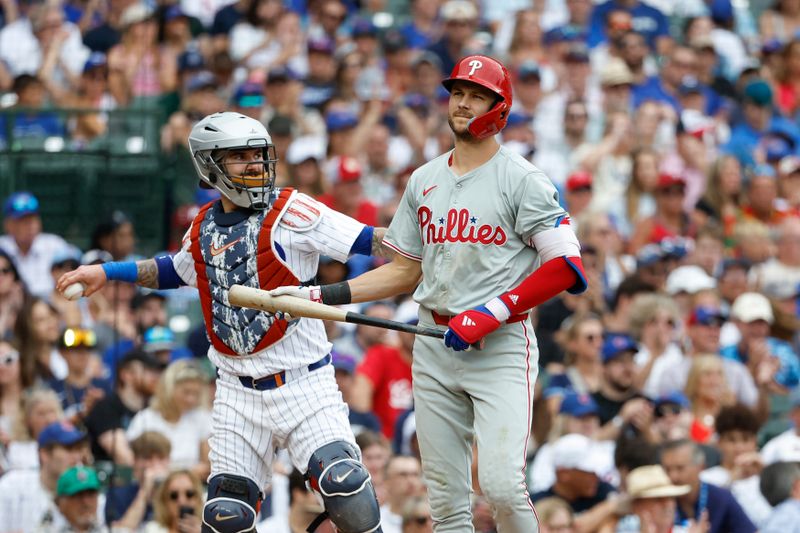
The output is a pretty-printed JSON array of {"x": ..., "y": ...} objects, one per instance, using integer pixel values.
[
  {"x": 684, "y": 460},
  {"x": 758, "y": 120},
  {"x": 752, "y": 314},
  {"x": 647, "y": 20}
]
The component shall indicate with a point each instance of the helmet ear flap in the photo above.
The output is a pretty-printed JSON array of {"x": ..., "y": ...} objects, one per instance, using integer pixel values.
[{"x": 491, "y": 122}]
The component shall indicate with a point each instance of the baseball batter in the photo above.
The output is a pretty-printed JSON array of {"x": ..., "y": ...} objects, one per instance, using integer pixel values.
[
  {"x": 482, "y": 229},
  {"x": 276, "y": 385}
]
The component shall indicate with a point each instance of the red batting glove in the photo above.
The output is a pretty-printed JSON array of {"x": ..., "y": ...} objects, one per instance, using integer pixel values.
[{"x": 474, "y": 324}]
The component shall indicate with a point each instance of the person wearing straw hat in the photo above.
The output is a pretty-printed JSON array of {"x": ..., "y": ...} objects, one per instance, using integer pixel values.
[{"x": 653, "y": 496}]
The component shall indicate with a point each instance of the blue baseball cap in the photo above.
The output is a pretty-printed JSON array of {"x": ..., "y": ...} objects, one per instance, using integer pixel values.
[
  {"x": 674, "y": 397},
  {"x": 529, "y": 69},
  {"x": 201, "y": 81},
  {"x": 578, "y": 405},
  {"x": 617, "y": 344},
  {"x": 95, "y": 60},
  {"x": 157, "y": 339},
  {"x": 340, "y": 120},
  {"x": 61, "y": 433},
  {"x": 249, "y": 94},
  {"x": 650, "y": 254},
  {"x": 706, "y": 316},
  {"x": 690, "y": 85},
  {"x": 190, "y": 60},
  {"x": 364, "y": 27},
  {"x": 173, "y": 12},
  {"x": 758, "y": 92},
  {"x": 517, "y": 118},
  {"x": 21, "y": 204},
  {"x": 323, "y": 45},
  {"x": 281, "y": 74}
]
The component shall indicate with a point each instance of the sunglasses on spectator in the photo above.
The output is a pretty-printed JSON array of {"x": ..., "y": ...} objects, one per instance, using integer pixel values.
[
  {"x": 9, "y": 358},
  {"x": 421, "y": 520},
  {"x": 664, "y": 410},
  {"x": 188, "y": 494},
  {"x": 592, "y": 337},
  {"x": 6, "y": 270}
]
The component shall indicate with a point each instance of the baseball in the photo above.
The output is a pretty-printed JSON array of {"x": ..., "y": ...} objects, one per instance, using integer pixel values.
[{"x": 74, "y": 291}]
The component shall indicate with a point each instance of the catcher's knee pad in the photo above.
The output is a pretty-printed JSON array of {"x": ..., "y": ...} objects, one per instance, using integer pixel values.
[
  {"x": 336, "y": 473},
  {"x": 232, "y": 505}
]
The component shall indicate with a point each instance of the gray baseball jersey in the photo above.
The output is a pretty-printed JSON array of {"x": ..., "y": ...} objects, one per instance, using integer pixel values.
[
  {"x": 477, "y": 236},
  {"x": 474, "y": 234}
]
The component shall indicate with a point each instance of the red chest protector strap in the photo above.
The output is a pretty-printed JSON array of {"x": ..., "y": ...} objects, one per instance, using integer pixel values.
[{"x": 272, "y": 273}]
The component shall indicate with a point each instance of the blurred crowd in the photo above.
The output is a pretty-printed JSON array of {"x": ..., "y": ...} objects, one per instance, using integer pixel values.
[{"x": 668, "y": 396}]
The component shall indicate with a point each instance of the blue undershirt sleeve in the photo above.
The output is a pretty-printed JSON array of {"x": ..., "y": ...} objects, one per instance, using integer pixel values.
[
  {"x": 168, "y": 278},
  {"x": 363, "y": 243}
]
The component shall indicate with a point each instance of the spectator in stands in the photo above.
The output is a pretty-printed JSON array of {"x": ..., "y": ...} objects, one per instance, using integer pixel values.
[
  {"x": 417, "y": 516},
  {"x": 82, "y": 388},
  {"x": 703, "y": 331},
  {"x": 365, "y": 337},
  {"x": 26, "y": 495},
  {"x": 618, "y": 399},
  {"x": 652, "y": 500},
  {"x": 578, "y": 192},
  {"x": 669, "y": 219},
  {"x": 784, "y": 268},
  {"x": 178, "y": 504},
  {"x": 785, "y": 446},
  {"x": 383, "y": 379},
  {"x": 304, "y": 156},
  {"x": 460, "y": 19},
  {"x": 31, "y": 250},
  {"x": 136, "y": 378},
  {"x": 39, "y": 408},
  {"x": 303, "y": 509},
  {"x": 555, "y": 516},
  {"x": 115, "y": 235},
  {"x": 375, "y": 453},
  {"x": 780, "y": 483},
  {"x": 345, "y": 368},
  {"x": 403, "y": 482},
  {"x": 654, "y": 324},
  {"x": 77, "y": 496},
  {"x": 37, "y": 332},
  {"x": 683, "y": 462},
  {"x": 131, "y": 504},
  {"x": 741, "y": 464},
  {"x": 770, "y": 360},
  {"x": 583, "y": 343},
  {"x": 10, "y": 396},
  {"x": 148, "y": 309},
  {"x": 137, "y": 68},
  {"x": 578, "y": 484},
  {"x": 708, "y": 392},
  {"x": 12, "y": 294},
  {"x": 179, "y": 410}
]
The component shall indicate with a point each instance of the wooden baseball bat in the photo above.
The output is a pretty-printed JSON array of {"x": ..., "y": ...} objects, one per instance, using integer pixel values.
[{"x": 299, "y": 307}]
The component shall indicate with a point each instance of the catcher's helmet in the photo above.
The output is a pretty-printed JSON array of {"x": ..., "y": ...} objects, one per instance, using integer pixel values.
[
  {"x": 490, "y": 73},
  {"x": 214, "y": 137}
]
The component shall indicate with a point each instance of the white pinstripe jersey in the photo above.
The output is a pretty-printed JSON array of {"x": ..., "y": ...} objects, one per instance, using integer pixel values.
[{"x": 304, "y": 230}]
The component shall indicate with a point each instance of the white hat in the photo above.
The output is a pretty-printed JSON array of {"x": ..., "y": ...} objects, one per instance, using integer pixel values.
[
  {"x": 305, "y": 148},
  {"x": 459, "y": 10},
  {"x": 689, "y": 278},
  {"x": 752, "y": 306},
  {"x": 652, "y": 482},
  {"x": 137, "y": 12},
  {"x": 574, "y": 451},
  {"x": 616, "y": 72}
]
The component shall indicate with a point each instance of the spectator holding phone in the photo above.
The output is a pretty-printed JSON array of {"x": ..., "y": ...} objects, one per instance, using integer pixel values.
[{"x": 178, "y": 504}]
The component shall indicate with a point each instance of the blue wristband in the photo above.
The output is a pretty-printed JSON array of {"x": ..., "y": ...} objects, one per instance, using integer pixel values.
[{"x": 121, "y": 271}]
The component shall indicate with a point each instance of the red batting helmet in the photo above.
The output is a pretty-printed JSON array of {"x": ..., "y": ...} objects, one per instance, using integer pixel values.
[{"x": 490, "y": 73}]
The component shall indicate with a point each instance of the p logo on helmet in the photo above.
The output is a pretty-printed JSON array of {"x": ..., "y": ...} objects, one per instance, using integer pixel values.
[
  {"x": 475, "y": 64},
  {"x": 491, "y": 74}
]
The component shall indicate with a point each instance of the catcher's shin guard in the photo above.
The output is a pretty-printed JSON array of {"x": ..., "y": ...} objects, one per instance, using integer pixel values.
[
  {"x": 335, "y": 472},
  {"x": 232, "y": 506}
]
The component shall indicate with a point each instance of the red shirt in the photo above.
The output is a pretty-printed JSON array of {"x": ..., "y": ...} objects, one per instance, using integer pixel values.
[
  {"x": 366, "y": 213},
  {"x": 390, "y": 375}
]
